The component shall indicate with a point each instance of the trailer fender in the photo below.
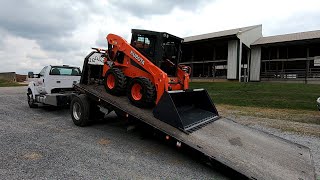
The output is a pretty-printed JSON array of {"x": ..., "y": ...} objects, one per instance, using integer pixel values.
[{"x": 33, "y": 89}]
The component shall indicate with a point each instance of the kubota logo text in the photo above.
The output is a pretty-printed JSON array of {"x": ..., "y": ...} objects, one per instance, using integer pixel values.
[{"x": 137, "y": 57}]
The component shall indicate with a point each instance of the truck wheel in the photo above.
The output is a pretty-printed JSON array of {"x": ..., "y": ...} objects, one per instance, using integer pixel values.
[
  {"x": 141, "y": 92},
  {"x": 80, "y": 110},
  {"x": 31, "y": 101},
  {"x": 115, "y": 81}
]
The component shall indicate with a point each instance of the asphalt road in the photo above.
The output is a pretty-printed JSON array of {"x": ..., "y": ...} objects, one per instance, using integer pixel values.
[{"x": 44, "y": 143}]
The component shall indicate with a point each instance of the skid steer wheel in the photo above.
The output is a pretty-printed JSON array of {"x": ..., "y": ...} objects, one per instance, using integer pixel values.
[
  {"x": 115, "y": 81},
  {"x": 31, "y": 101},
  {"x": 80, "y": 110},
  {"x": 141, "y": 92}
]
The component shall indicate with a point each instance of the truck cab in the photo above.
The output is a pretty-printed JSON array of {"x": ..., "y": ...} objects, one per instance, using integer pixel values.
[{"x": 53, "y": 85}]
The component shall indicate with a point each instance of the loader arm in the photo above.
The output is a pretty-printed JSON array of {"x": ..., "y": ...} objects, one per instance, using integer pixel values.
[{"x": 155, "y": 74}]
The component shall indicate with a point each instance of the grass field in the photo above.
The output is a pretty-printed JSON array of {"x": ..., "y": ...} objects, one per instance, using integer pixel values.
[
  {"x": 4, "y": 83},
  {"x": 270, "y": 95}
]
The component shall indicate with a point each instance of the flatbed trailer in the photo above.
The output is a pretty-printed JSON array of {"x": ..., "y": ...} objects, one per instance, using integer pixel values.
[{"x": 252, "y": 153}]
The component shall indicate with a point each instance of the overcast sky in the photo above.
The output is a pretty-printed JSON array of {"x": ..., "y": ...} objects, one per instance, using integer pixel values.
[{"x": 35, "y": 33}]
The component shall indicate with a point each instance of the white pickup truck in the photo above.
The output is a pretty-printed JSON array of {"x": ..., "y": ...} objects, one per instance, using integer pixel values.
[{"x": 52, "y": 86}]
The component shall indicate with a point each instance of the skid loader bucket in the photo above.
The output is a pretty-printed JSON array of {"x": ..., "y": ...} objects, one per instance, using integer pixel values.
[{"x": 186, "y": 110}]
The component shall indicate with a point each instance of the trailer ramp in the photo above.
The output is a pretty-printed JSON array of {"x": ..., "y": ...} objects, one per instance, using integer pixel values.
[{"x": 253, "y": 153}]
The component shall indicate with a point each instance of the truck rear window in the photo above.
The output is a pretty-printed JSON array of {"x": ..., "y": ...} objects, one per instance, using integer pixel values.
[{"x": 65, "y": 71}]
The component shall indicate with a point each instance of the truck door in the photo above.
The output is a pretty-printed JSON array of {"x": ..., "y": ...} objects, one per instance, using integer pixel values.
[{"x": 41, "y": 82}]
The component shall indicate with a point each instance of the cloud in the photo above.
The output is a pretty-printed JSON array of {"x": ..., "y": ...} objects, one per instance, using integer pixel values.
[
  {"x": 44, "y": 21},
  {"x": 37, "y": 33},
  {"x": 145, "y": 8},
  {"x": 62, "y": 44},
  {"x": 23, "y": 55},
  {"x": 101, "y": 40},
  {"x": 297, "y": 22},
  {"x": 36, "y": 19}
]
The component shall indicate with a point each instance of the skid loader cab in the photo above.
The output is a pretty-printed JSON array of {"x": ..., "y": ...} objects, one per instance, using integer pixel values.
[{"x": 163, "y": 49}]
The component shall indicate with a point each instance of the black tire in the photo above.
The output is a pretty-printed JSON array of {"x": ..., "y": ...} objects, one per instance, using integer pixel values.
[
  {"x": 31, "y": 101},
  {"x": 80, "y": 110},
  {"x": 147, "y": 91},
  {"x": 120, "y": 82}
]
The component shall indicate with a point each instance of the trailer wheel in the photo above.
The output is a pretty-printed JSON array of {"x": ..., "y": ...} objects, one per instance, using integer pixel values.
[
  {"x": 80, "y": 110},
  {"x": 31, "y": 101},
  {"x": 115, "y": 81},
  {"x": 141, "y": 92}
]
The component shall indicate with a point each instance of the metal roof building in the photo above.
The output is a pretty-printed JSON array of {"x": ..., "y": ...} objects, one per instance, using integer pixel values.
[
  {"x": 287, "y": 58},
  {"x": 243, "y": 54},
  {"x": 221, "y": 55},
  {"x": 310, "y": 35}
]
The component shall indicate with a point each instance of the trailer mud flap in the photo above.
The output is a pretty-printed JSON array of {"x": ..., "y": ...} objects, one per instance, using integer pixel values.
[{"x": 186, "y": 110}]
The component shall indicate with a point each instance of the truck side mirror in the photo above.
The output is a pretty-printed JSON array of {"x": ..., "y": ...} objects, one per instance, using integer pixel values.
[{"x": 30, "y": 74}]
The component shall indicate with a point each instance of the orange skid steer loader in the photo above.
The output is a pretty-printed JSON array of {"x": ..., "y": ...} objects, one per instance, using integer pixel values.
[{"x": 147, "y": 71}]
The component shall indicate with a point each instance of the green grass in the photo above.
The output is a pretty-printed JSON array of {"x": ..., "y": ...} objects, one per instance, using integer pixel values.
[
  {"x": 270, "y": 95},
  {"x": 5, "y": 83}
]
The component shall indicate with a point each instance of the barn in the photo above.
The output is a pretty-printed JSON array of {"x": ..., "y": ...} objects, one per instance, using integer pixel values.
[
  {"x": 243, "y": 54},
  {"x": 287, "y": 58}
]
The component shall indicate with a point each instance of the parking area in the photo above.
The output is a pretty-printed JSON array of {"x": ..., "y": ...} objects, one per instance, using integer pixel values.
[{"x": 44, "y": 143}]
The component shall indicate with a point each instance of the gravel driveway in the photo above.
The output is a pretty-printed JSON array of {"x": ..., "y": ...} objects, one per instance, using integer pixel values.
[{"x": 44, "y": 143}]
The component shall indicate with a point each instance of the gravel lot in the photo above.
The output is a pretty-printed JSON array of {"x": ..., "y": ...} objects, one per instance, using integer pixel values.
[{"x": 44, "y": 143}]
